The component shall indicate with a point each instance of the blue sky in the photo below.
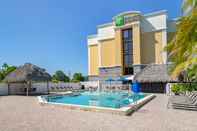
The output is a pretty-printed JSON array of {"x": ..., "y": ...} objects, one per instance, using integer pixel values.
[{"x": 52, "y": 33}]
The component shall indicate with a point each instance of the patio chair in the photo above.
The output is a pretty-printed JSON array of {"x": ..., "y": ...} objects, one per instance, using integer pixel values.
[
  {"x": 68, "y": 88},
  {"x": 119, "y": 88},
  {"x": 107, "y": 88},
  {"x": 124, "y": 87},
  {"x": 188, "y": 102},
  {"x": 57, "y": 88},
  {"x": 77, "y": 88},
  {"x": 52, "y": 88},
  {"x": 183, "y": 96},
  {"x": 186, "y": 98},
  {"x": 89, "y": 88},
  {"x": 65, "y": 88},
  {"x": 186, "y": 106},
  {"x": 185, "y": 101}
]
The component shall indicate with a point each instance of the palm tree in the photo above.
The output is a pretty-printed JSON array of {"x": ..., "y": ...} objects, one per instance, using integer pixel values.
[
  {"x": 5, "y": 70},
  {"x": 187, "y": 4},
  {"x": 183, "y": 48}
]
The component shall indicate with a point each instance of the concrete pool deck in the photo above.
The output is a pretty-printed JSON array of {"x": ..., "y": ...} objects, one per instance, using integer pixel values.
[{"x": 21, "y": 113}]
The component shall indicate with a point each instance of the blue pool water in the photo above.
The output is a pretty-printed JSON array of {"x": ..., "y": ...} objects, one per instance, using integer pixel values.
[{"x": 99, "y": 99}]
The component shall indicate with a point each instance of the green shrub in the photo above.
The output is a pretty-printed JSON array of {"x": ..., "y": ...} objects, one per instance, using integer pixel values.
[
  {"x": 77, "y": 77},
  {"x": 60, "y": 76},
  {"x": 55, "y": 81},
  {"x": 184, "y": 87},
  {"x": 176, "y": 88},
  {"x": 194, "y": 86}
]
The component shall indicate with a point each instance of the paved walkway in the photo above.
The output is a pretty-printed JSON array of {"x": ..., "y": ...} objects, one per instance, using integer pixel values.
[{"x": 20, "y": 113}]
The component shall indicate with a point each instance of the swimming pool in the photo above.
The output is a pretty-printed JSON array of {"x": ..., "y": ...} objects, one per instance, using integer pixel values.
[
  {"x": 121, "y": 103},
  {"x": 100, "y": 99}
]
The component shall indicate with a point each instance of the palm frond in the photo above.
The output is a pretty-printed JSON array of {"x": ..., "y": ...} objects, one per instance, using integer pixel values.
[
  {"x": 189, "y": 4},
  {"x": 182, "y": 50}
]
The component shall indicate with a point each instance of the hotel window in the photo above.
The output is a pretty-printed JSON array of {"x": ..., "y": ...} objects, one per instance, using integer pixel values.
[{"x": 127, "y": 37}]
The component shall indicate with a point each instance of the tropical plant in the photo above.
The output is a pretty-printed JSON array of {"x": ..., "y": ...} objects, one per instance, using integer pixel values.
[
  {"x": 183, "y": 48},
  {"x": 176, "y": 89},
  {"x": 192, "y": 73},
  {"x": 1, "y": 76},
  {"x": 77, "y": 77},
  {"x": 55, "y": 81},
  {"x": 189, "y": 4},
  {"x": 184, "y": 87},
  {"x": 60, "y": 76},
  {"x": 5, "y": 70}
]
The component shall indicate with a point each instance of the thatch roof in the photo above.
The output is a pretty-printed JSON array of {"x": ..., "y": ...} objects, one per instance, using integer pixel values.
[
  {"x": 153, "y": 73},
  {"x": 28, "y": 72}
]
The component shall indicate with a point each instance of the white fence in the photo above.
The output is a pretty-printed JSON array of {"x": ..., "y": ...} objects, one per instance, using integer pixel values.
[
  {"x": 41, "y": 88},
  {"x": 115, "y": 85},
  {"x": 3, "y": 89},
  {"x": 89, "y": 84},
  {"x": 64, "y": 86},
  {"x": 103, "y": 85},
  {"x": 37, "y": 88}
]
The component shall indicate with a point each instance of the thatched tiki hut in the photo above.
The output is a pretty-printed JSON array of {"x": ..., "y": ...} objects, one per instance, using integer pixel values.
[
  {"x": 20, "y": 81},
  {"x": 153, "y": 78}
]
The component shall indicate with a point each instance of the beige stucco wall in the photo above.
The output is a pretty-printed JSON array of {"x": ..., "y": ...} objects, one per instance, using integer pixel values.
[
  {"x": 136, "y": 44},
  {"x": 118, "y": 43},
  {"x": 108, "y": 53},
  {"x": 159, "y": 49},
  {"x": 151, "y": 47},
  {"x": 147, "y": 48},
  {"x": 94, "y": 60}
]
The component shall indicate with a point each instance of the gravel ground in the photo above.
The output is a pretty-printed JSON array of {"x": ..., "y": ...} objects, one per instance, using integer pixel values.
[{"x": 20, "y": 113}]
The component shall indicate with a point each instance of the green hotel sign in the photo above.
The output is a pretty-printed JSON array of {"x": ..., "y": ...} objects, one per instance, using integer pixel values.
[{"x": 119, "y": 21}]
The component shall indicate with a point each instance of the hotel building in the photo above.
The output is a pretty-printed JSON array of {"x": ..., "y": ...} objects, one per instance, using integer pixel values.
[{"x": 128, "y": 44}]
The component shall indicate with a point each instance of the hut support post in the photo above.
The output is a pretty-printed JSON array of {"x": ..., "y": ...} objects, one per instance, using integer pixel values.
[
  {"x": 28, "y": 87},
  {"x": 8, "y": 88},
  {"x": 48, "y": 87}
]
